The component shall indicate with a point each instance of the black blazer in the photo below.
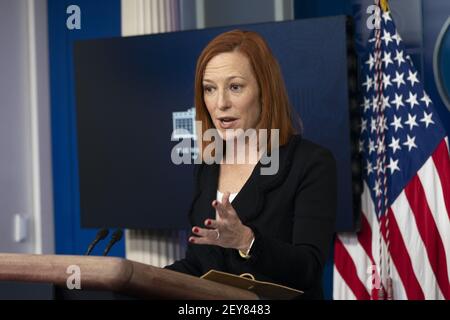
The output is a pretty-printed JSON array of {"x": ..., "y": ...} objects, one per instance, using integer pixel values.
[{"x": 292, "y": 214}]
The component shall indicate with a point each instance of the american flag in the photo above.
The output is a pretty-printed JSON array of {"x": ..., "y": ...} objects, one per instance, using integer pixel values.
[{"x": 402, "y": 250}]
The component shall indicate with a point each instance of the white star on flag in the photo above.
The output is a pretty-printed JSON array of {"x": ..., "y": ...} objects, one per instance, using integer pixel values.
[
  {"x": 426, "y": 99},
  {"x": 397, "y": 123},
  {"x": 412, "y": 77},
  {"x": 398, "y": 101},
  {"x": 399, "y": 79},
  {"x": 393, "y": 165},
  {"x": 412, "y": 100},
  {"x": 427, "y": 119},
  {"x": 410, "y": 142},
  {"x": 399, "y": 57},
  {"x": 411, "y": 121},
  {"x": 387, "y": 59},
  {"x": 395, "y": 145}
]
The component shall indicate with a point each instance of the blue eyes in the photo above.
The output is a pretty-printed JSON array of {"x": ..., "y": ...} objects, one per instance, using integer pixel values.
[{"x": 233, "y": 88}]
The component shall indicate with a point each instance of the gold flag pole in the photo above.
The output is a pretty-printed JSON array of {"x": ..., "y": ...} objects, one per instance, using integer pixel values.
[
  {"x": 389, "y": 284},
  {"x": 384, "y": 5},
  {"x": 383, "y": 290}
]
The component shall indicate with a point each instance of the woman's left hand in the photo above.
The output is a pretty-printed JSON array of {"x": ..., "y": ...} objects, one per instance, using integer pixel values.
[{"x": 227, "y": 231}]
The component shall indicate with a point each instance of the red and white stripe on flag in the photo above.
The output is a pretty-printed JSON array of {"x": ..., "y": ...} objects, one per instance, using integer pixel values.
[{"x": 419, "y": 227}]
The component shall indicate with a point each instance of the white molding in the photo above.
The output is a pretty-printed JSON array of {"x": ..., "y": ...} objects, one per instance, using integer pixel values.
[
  {"x": 161, "y": 17},
  {"x": 154, "y": 16},
  {"x": 200, "y": 13},
  {"x": 140, "y": 16},
  {"x": 289, "y": 10},
  {"x": 127, "y": 11},
  {"x": 34, "y": 128},
  {"x": 129, "y": 17},
  {"x": 283, "y": 10},
  {"x": 39, "y": 113},
  {"x": 128, "y": 245},
  {"x": 147, "y": 14},
  {"x": 278, "y": 10}
]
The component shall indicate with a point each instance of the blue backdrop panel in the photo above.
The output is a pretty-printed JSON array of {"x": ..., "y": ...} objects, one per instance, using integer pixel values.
[
  {"x": 128, "y": 88},
  {"x": 99, "y": 18}
]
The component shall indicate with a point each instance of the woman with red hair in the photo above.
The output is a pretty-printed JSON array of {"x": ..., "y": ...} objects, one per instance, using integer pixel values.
[{"x": 277, "y": 227}]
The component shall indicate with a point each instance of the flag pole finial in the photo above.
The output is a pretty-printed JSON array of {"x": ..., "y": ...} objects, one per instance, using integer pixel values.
[{"x": 384, "y": 5}]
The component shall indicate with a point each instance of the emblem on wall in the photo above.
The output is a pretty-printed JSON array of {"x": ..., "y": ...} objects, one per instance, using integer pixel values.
[{"x": 441, "y": 63}]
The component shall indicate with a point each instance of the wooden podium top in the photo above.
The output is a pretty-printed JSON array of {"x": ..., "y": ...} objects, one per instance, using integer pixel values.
[{"x": 116, "y": 275}]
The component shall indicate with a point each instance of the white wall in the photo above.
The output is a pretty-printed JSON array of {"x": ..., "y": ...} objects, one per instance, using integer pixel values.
[{"x": 25, "y": 156}]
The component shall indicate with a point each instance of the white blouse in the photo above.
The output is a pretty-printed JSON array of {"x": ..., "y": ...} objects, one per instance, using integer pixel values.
[{"x": 220, "y": 195}]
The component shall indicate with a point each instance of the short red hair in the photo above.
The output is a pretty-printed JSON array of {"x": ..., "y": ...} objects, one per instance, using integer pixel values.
[{"x": 276, "y": 111}]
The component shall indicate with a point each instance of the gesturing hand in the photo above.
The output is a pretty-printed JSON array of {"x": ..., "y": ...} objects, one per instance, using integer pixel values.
[{"x": 227, "y": 231}]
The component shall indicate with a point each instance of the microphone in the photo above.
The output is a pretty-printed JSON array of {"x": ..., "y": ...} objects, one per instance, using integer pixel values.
[
  {"x": 101, "y": 234},
  {"x": 116, "y": 236}
]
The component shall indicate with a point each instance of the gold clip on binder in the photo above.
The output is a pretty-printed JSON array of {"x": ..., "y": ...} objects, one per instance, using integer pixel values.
[{"x": 246, "y": 281}]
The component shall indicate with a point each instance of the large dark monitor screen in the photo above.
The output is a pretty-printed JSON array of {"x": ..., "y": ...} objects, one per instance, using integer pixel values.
[{"x": 131, "y": 92}]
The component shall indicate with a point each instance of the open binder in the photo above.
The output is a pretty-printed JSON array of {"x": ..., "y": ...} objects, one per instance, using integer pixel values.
[{"x": 265, "y": 290}]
